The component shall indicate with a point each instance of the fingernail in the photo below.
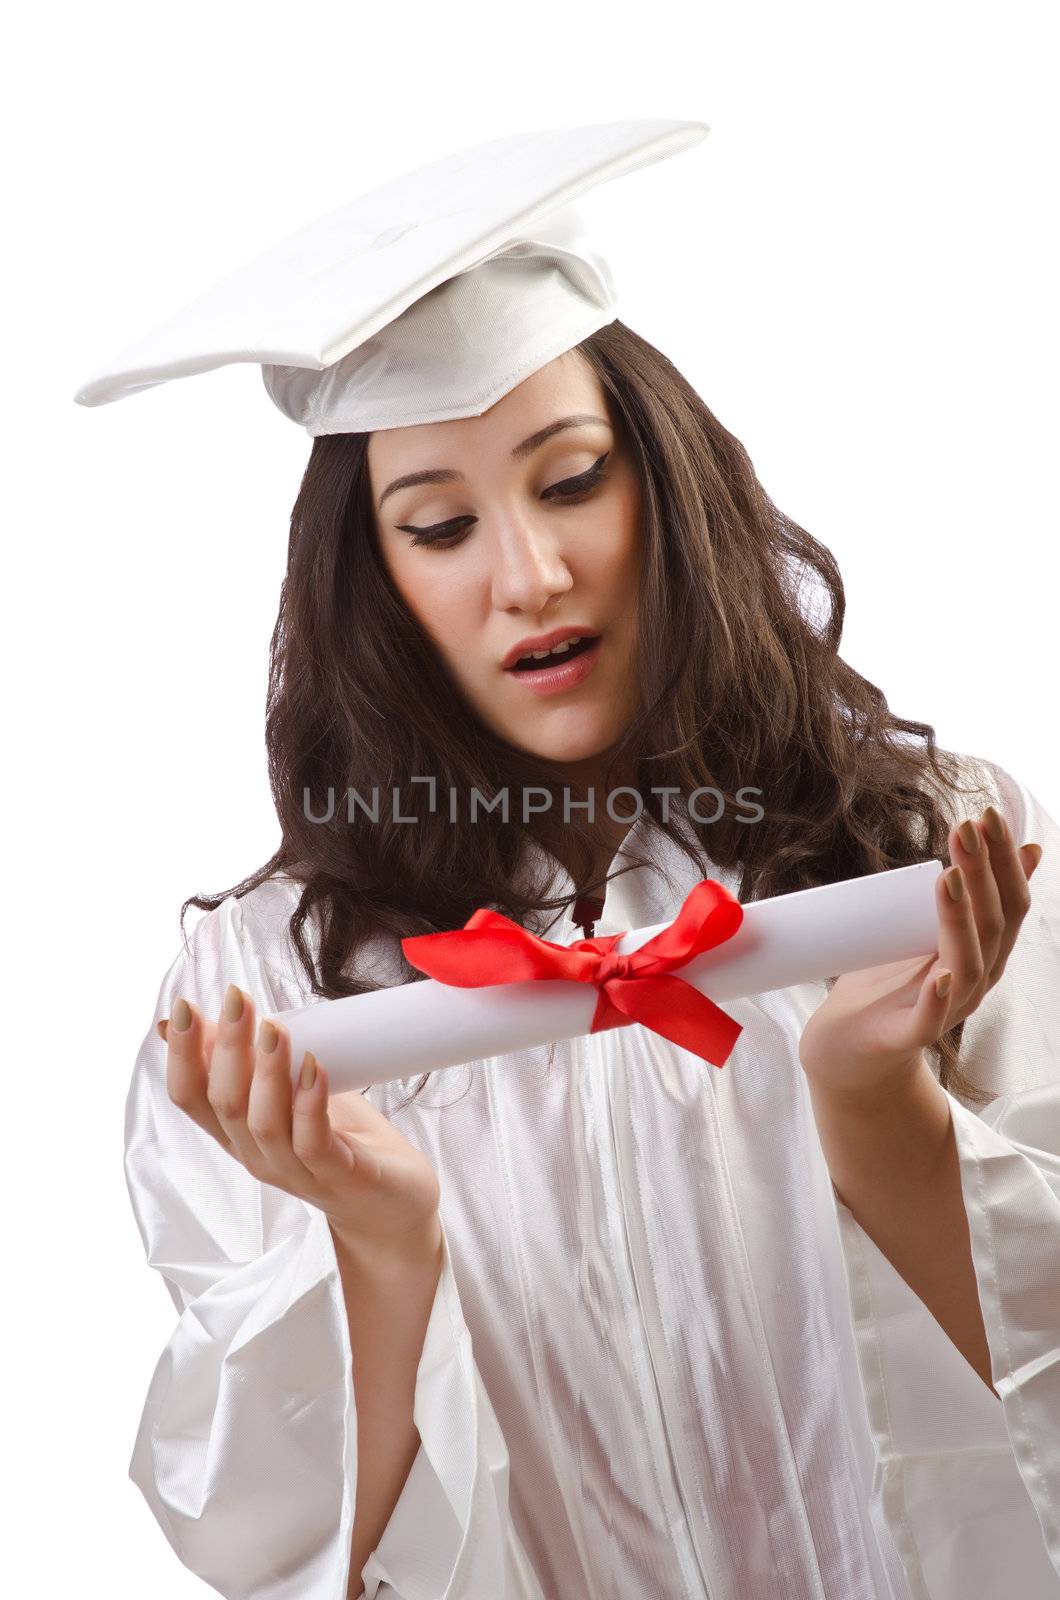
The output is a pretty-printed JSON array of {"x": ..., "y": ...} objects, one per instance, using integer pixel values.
[
  {"x": 161, "y": 1028},
  {"x": 942, "y": 984},
  {"x": 309, "y": 1070},
  {"x": 968, "y": 834},
  {"x": 180, "y": 1016},
  {"x": 994, "y": 823},
  {"x": 955, "y": 883},
  {"x": 267, "y": 1037},
  {"x": 233, "y": 1003}
]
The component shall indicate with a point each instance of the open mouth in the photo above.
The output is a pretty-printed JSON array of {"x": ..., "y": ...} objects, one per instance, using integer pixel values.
[{"x": 555, "y": 658}]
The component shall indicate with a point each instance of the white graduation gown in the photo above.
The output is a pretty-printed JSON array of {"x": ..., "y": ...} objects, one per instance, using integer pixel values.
[{"x": 662, "y": 1360}]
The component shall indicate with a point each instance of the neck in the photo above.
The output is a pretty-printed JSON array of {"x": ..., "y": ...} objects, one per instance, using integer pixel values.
[
  {"x": 607, "y": 832},
  {"x": 579, "y": 778}
]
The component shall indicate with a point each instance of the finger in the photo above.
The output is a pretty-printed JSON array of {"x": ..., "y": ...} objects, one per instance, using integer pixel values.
[
  {"x": 209, "y": 1034},
  {"x": 1011, "y": 878},
  {"x": 269, "y": 1109},
  {"x": 968, "y": 850},
  {"x": 231, "y": 1069},
  {"x": 186, "y": 1070},
  {"x": 932, "y": 1007},
  {"x": 1030, "y": 855},
  {"x": 331, "y": 1161},
  {"x": 959, "y": 950},
  {"x": 209, "y": 1038}
]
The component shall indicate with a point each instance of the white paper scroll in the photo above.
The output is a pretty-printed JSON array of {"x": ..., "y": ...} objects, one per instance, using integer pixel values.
[{"x": 803, "y": 937}]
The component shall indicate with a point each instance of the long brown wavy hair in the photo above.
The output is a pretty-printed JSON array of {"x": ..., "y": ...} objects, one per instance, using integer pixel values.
[{"x": 740, "y": 618}]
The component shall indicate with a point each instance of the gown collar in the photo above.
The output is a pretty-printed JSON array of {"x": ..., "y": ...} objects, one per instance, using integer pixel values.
[{"x": 640, "y": 897}]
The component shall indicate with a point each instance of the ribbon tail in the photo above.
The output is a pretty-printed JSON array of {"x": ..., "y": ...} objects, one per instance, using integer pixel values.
[{"x": 669, "y": 1006}]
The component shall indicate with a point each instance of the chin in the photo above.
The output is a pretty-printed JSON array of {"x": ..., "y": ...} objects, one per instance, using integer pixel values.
[{"x": 565, "y": 751}]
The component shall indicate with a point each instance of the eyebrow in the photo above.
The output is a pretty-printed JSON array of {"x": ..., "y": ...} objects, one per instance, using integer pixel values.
[{"x": 528, "y": 446}]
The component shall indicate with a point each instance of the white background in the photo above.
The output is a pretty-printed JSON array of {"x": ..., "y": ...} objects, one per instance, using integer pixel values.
[{"x": 857, "y": 270}]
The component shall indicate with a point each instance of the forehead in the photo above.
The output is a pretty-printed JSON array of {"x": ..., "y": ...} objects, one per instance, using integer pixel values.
[{"x": 565, "y": 386}]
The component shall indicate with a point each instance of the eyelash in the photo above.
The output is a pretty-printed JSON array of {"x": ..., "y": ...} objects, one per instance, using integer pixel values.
[{"x": 586, "y": 481}]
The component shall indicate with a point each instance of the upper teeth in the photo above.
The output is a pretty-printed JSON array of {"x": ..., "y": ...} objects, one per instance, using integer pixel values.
[{"x": 564, "y": 644}]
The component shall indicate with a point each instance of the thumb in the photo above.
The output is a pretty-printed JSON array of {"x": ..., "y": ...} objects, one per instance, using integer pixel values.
[{"x": 932, "y": 1006}]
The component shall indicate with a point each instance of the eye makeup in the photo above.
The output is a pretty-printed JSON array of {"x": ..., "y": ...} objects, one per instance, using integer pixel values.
[{"x": 569, "y": 491}]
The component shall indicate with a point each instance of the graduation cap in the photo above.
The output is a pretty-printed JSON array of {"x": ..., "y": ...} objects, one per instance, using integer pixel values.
[{"x": 427, "y": 299}]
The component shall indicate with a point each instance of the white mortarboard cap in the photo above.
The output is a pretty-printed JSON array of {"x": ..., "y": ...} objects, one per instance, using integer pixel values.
[{"x": 427, "y": 299}]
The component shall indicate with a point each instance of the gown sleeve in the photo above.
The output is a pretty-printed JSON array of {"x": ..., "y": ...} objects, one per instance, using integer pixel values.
[
  {"x": 247, "y": 1447},
  {"x": 971, "y": 1487}
]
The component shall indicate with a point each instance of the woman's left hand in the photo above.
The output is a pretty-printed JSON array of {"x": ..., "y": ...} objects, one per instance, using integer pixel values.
[{"x": 875, "y": 1024}]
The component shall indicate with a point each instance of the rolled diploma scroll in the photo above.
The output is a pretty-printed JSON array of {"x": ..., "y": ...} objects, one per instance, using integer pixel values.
[{"x": 804, "y": 937}]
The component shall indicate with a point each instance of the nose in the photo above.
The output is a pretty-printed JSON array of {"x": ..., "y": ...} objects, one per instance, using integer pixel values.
[{"x": 528, "y": 567}]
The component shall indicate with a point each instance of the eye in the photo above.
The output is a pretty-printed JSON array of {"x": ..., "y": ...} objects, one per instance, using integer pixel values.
[
  {"x": 448, "y": 534},
  {"x": 574, "y": 488}
]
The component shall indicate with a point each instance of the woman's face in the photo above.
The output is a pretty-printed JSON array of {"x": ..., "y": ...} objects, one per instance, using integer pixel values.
[{"x": 519, "y": 525}]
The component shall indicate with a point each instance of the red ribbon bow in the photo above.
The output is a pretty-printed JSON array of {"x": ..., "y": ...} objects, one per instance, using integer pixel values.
[{"x": 490, "y": 949}]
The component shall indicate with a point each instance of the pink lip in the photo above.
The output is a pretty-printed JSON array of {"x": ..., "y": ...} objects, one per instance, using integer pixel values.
[
  {"x": 543, "y": 641},
  {"x": 567, "y": 675}
]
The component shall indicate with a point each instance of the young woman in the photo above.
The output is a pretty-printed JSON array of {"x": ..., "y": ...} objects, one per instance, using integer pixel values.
[{"x": 599, "y": 1320}]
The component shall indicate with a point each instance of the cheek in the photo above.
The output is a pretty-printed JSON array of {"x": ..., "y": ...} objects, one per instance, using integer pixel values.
[
  {"x": 439, "y": 599},
  {"x": 622, "y": 550}
]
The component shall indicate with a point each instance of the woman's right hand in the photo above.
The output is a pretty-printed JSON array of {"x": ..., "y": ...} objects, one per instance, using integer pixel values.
[{"x": 339, "y": 1154}]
